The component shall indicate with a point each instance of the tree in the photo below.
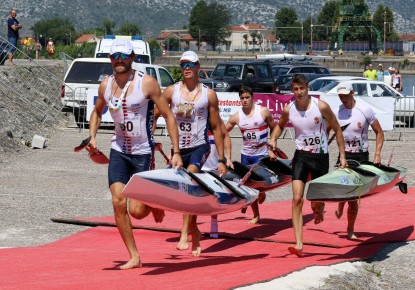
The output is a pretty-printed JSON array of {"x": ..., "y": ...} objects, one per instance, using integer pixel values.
[
  {"x": 328, "y": 17},
  {"x": 108, "y": 26},
  {"x": 129, "y": 29},
  {"x": 56, "y": 28},
  {"x": 383, "y": 20},
  {"x": 209, "y": 22},
  {"x": 287, "y": 28}
]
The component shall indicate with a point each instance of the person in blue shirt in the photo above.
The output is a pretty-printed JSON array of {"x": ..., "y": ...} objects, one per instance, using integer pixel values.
[
  {"x": 13, "y": 27},
  {"x": 380, "y": 73}
]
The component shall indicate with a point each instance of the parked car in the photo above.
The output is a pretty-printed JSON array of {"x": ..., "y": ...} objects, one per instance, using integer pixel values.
[
  {"x": 404, "y": 106},
  {"x": 284, "y": 68},
  {"x": 205, "y": 73},
  {"x": 283, "y": 82},
  {"x": 231, "y": 75},
  {"x": 318, "y": 83},
  {"x": 84, "y": 75}
]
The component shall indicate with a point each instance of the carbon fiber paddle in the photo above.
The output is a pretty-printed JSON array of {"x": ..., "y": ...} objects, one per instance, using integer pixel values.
[{"x": 334, "y": 134}]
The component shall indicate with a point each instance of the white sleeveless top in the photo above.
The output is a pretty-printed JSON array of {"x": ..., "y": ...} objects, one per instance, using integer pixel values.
[
  {"x": 254, "y": 130},
  {"x": 356, "y": 134},
  {"x": 310, "y": 128},
  {"x": 191, "y": 117},
  {"x": 212, "y": 161},
  {"x": 133, "y": 120}
]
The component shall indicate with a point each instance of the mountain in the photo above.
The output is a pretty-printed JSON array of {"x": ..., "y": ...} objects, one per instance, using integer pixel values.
[{"x": 154, "y": 15}]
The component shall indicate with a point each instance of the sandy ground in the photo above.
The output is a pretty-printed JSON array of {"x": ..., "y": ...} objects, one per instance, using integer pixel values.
[{"x": 41, "y": 184}]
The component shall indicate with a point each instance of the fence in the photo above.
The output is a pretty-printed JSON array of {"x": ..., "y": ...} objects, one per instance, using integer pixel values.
[{"x": 31, "y": 83}]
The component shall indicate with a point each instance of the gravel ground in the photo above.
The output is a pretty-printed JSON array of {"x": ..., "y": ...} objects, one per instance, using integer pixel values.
[{"x": 39, "y": 184}]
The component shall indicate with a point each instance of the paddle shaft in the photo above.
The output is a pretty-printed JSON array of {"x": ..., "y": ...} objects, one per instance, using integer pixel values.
[{"x": 334, "y": 134}]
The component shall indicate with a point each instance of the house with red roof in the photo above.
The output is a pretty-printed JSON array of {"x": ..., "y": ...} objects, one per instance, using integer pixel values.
[
  {"x": 249, "y": 37},
  {"x": 186, "y": 41},
  {"x": 86, "y": 38}
]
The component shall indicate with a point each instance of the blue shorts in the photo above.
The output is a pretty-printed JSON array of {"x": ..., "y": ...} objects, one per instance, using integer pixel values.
[
  {"x": 196, "y": 156},
  {"x": 13, "y": 44},
  {"x": 305, "y": 163},
  {"x": 249, "y": 160},
  {"x": 122, "y": 166}
]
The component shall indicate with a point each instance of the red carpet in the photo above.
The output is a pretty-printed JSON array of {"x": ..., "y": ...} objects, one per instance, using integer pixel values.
[{"x": 86, "y": 260}]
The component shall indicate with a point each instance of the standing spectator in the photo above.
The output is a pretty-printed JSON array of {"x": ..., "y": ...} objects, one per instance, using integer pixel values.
[
  {"x": 13, "y": 27},
  {"x": 380, "y": 73},
  {"x": 50, "y": 47},
  {"x": 370, "y": 73},
  {"x": 38, "y": 48},
  {"x": 397, "y": 80}
]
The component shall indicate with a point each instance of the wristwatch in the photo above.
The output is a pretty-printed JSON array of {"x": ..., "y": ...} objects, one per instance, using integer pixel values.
[{"x": 222, "y": 160}]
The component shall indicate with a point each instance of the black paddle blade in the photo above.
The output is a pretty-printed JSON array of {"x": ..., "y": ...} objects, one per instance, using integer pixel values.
[
  {"x": 334, "y": 135},
  {"x": 83, "y": 144},
  {"x": 403, "y": 187}
]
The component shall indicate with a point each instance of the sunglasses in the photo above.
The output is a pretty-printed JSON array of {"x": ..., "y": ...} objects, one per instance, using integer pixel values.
[
  {"x": 189, "y": 64},
  {"x": 117, "y": 55}
]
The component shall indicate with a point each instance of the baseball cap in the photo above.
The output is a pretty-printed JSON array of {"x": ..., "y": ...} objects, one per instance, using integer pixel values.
[
  {"x": 379, "y": 64},
  {"x": 189, "y": 56},
  {"x": 344, "y": 88},
  {"x": 121, "y": 45},
  {"x": 391, "y": 68}
]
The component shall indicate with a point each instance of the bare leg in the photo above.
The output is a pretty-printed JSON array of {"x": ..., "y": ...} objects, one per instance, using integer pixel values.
[
  {"x": 297, "y": 217},
  {"x": 340, "y": 208},
  {"x": 318, "y": 210},
  {"x": 184, "y": 235},
  {"x": 255, "y": 210},
  {"x": 352, "y": 211},
  {"x": 261, "y": 197},
  {"x": 10, "y": 58},
  {"x": 122, "y": 219},
  {"x": 196, "y": 248}
]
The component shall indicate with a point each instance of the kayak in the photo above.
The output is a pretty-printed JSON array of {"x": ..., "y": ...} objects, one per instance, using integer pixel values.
[
  {"x": 342, "y": 184},
  {"x": 388, "y": 176},
  {"x": 203, "y": 193},
  {"x": 264, "y": 176}
]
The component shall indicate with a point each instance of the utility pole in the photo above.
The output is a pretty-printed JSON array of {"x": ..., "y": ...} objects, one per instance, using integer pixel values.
[
  {"x": 198, "y": 47},
  {"x": 311, "y": 33},
  {"x": 384, "y": 31}
]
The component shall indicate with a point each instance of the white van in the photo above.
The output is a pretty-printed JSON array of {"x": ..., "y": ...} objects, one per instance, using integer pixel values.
[
  {"x": 83, "y": 77},
  {"x": 141, "y": 48}
]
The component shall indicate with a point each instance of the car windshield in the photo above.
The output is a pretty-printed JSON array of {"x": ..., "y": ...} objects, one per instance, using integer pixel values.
[
  {"x": 227, "y": 70},
  {"x": 282, "y": 80},
  {"x": 278, "y": 70},
  {"x": 328, "y": 87},
  {"x": 317, "y": 84},
  {"x": 87, "y": 72}
]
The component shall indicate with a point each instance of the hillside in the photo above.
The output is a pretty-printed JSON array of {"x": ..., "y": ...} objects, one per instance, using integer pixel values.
[{"x": 153, "y": 16}]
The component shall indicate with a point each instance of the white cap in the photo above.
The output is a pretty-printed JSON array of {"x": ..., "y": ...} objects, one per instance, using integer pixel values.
[
  {"x": 380, "y": 65},
  {"x": 189, "y": 56},
  {"x": 344, "y": 88},
  {"x": 121, "y": 45},
  {"x": 391, "y": 68}
]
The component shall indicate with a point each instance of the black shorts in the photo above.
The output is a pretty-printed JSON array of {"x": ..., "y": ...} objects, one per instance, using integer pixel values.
[
  {"x": 359, "y": 156},
  {"x": 304, "y": 163}
]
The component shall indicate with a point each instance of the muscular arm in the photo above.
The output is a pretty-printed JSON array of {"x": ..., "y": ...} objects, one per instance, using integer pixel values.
[
  {"x": 227, "y": 144},
  {"x": 96, "y": 115},
  {"x": 232, "y": 121},
  {"x": 216, "y": 124},
  {"x": 379, "y": 140},
  {"x": 152, "y": 90},
  {"x": 329, "y": 116}
]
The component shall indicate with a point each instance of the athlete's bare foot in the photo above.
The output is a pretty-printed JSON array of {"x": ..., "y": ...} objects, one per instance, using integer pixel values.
[
  {"x": 158, "y": 214},
  {"x": 339, "y": 211},
  {"x": 243, "y": 210},
  {"x": 261, "y": 197},
  {"x": 133, "y": 263},
  {"x": 319, "y": 215},
  {"x": 254, "y": 220},
  {"x": 351, "y": 236},
  {"x": 196, "y": 248},
  {"x": 293, "y": 250},
  {"x": 183, "y": 243}
]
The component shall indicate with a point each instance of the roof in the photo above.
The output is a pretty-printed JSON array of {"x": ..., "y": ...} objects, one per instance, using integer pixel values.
[
  {"x": 84, "y": 38},
  {"x": 251, "y": 26},
  {"x": 407, "y": 37}
]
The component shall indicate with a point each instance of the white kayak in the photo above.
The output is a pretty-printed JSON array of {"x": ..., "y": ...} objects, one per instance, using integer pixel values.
[{"x": 182, "y": 191}]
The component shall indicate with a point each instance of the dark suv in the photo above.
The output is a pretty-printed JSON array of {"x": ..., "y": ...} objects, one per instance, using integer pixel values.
[
  {"x": 231, "y": 75},
  {"x": 284, "y": 68}
]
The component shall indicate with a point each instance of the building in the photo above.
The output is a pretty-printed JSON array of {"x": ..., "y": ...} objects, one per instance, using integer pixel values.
[
  {"x": 408, "y": 42},
  {"x": 182, "y": 36},
  {"x": 86, "y": 38}
]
